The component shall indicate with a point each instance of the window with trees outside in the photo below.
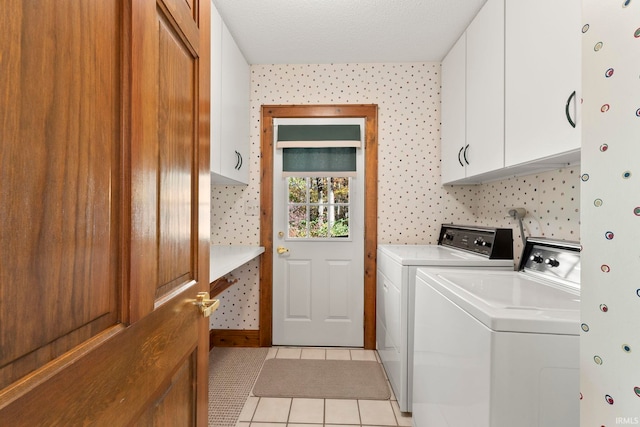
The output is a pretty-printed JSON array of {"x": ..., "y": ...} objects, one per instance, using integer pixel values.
[{"x": 318, "y": 207}]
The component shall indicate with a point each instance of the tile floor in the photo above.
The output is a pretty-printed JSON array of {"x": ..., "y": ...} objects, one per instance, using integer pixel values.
[{"x": 296, "y": 412}]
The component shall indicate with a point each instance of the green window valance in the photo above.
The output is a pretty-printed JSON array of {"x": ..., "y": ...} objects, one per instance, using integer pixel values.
[
  {"x": 319, "y": 161},
  {"x": 314, "y": 136}
]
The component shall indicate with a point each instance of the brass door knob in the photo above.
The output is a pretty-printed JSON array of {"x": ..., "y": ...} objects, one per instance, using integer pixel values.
[{"x": 282, "y": 249}]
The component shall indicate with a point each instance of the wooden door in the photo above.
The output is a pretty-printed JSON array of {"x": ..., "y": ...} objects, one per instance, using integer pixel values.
[{"x": 104, "y": 212}]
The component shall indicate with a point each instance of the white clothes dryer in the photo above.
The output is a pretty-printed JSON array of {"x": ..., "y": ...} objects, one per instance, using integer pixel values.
[
  {"x": 499, "y": 349},
  {"x": 458, "y": 246}
]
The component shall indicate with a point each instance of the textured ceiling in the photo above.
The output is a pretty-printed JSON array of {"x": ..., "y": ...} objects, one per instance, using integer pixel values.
[{"x": 345, "y": 31}]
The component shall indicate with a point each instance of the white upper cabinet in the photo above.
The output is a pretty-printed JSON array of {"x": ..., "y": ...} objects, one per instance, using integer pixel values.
[
  {"x": 453, "y": 129},
  {"x": 543, "y": 79},
  {"x": 473, "y": 98},
  {"x": 485, "y": 90},
  {"x": 521, "y": 92},
  {"x": 230, "y": 91}
]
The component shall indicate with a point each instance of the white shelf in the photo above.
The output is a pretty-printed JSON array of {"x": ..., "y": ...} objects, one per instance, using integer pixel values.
[{"x": 225, "y": 258}]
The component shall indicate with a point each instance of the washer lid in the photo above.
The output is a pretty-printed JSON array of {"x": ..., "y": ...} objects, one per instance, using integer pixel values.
[
  {"x": 509, "y": 301},
  {"x": 436, "y": 255}
]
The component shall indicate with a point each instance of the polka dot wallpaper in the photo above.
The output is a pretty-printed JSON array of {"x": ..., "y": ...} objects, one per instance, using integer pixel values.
[
  {"x": 551, "y": 199},
  {"x": 239, "y": 303},
  {"x": 412, "y": 203},
  {"x": 610, "y": 343}
]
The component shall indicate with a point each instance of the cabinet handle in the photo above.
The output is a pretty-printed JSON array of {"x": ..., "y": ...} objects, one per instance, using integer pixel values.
[
  {"x": 465, "y": 154},
  {"x": 459, "y": 154},
  {"x": 240, "y": 165},
  {"x": 566, "y": 109},
  {"x": 237, "y": 160}
]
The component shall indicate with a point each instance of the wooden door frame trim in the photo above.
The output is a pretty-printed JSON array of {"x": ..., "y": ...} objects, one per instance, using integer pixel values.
[{"x": 370, "y": 114}]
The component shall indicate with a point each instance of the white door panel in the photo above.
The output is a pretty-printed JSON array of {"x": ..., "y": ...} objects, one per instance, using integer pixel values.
[
  {"x": 338, "y": 286},
  {"x": 298, "y": 289},
  {"x": 318, "y": 283}
]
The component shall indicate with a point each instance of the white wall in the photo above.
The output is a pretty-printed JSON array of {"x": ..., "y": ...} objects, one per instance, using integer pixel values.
[
  {"x": 610, "y": 342},
  {"x": 411, "y": 202}
]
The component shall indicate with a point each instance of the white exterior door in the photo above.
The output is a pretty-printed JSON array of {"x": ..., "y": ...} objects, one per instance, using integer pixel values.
[{"x": 318, "y": 278}]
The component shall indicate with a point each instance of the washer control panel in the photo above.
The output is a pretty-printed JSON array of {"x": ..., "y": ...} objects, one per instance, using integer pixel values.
[
  {"x": 553, "y": 259},
  {"x": 493, "y": 243}
]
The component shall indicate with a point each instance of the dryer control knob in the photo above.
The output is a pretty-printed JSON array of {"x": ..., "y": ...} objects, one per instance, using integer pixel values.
[
  {"x": 536, "y": 258},
  {"x": 551, "y": 262}
]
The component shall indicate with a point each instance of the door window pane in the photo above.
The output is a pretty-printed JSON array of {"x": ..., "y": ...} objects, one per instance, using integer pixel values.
[
  {"x": 298, "y": 221},
  {"x": 318, "y": 193},
  {"x": 340, "y": 189},
  {"x": 318, "y": 207},
  {"x": 318, "y": 222},
  {"x": 340, "y": 224},
  {"x": 297, "y": 190}
]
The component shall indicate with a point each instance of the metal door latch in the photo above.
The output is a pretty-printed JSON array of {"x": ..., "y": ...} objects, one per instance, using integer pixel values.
[{"x": 205, "y": 304}]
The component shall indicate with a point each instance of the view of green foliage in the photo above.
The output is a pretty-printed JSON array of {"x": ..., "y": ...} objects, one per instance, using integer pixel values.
[{"x": 310, "y": 202}]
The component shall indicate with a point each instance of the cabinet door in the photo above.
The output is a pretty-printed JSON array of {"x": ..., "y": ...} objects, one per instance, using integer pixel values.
[
  {"x": 234, "y": 156},
  {"x": 453, "y": 106},
  {"x": 542, "y": 71},
  {"x": 216, "y": 89},
  {"x": 485, "y": 89}
]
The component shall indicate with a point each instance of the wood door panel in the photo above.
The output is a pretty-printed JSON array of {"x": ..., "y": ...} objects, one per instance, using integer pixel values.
[
  {"x": 190, "y": 5},
  {"x": 177, "y": 138},
  {"x": 184, "y": 18},
  {"x": 102, "y": 390},
  {"x": 164, "y": 161},
  {"x": 58, "y": 276},
  {"x": 174, "y": 407},
  {"x": 27, "y": 363}
]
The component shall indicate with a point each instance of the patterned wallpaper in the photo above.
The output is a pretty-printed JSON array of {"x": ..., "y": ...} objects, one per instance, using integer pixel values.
[
  {"x": 412, "y": 203},
  {"x": 552, "y": 201},
  {"x": 610, "y": 343}
]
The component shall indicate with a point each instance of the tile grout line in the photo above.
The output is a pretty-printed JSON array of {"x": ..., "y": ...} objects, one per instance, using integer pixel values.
[
  {"x": 253, "y": 413},
  {"x": 394, "y": 413},
  {"x": 290, "y": 406},
  {"x": 324, "y": 411}
]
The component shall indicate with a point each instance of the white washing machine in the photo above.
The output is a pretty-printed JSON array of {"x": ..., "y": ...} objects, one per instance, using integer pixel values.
[
  {"x": 500, "y": 349},
  {"x": 458, "y": 246}
]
